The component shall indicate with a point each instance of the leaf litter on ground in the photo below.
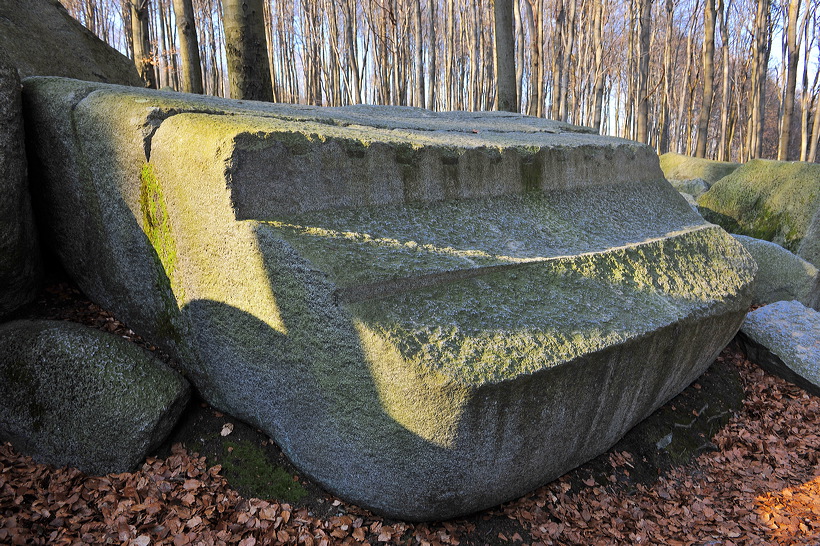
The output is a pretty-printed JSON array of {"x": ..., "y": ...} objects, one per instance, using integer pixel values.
[{"x": 761, "y": 485}]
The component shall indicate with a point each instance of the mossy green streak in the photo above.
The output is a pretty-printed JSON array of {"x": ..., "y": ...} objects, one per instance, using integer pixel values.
[{"x": 157, "y": 225}]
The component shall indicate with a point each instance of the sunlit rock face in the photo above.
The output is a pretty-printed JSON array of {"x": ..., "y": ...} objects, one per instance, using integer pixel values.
[{"x": 430, "y": 313}]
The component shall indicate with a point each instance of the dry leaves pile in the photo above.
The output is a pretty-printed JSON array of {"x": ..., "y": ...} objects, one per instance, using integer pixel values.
[{"x": 761, "y": 487}]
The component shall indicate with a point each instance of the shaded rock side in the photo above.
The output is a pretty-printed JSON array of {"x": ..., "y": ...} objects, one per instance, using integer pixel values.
[
  {"x": 775, "y": 201},
  {"x": 71, "y": 395},
  {"x": 781, "y": 275},
  {"x": 429, "y": 313},
  {"x": 42, "y": 39},
  {"x": 20, "y": 265},
  {"x": 809, "y": 248},
  {"x": 685, "y": 168},
  {"x": 784, "y": 339}
]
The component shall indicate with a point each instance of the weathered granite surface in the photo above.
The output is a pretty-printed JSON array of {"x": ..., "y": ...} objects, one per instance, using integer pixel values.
[
  {"x": 42, "y": 39},
  {"x": 71, "y": 395},
  {"x": 776, "y": 201},
  {"x": 781, "y": 275},
  {"x": 20, "y": 266},
  {"x": 430, "y": 313},
  {"x": 784, "y": 338}
]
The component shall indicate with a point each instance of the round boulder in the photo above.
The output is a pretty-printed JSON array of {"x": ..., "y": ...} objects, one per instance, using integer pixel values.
[{"x": 71, "y": 395}]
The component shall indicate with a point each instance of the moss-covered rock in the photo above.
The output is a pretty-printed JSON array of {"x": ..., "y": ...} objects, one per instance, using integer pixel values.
[
  {"x": 20, "y": 265},
  {"x": 781, "y": 275},
  {"x": 684, "y": 168},
  {"x": 775, "y": 201},
  {"x": 427, "y": 319},
  {"x": 74, "y": 396}
]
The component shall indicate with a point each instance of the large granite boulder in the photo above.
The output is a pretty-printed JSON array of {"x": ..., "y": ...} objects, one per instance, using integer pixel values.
[
  {"x": 42, "y": 39},
  {"x": 686, "y": 168},
  {"x": 776, "y": 201},
  {"x": 71, "y": 395},
  {"x": 430, "y": 313},
  {"x": 784, "y": 339},
  {"x": 20, "y": 266},
  {"x": 781, "y": 275}
]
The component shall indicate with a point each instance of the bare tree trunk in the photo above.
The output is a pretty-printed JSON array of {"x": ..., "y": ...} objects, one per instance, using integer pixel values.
[
  {"x": 519, "y": 54},
  {"x": 807, "y": 92},
  {"x": 163, "y": 50},
  {"x": 188, "y": 47},
  {"x": 723, "y": 18},
  {"x": 815, "y": 131},
  {"x": 793, "y": 58},
  {"x": 560, "y": 58},
  {"x": 539, "y": 75},
  {"x": 418, "y": 56},
  {"x": 355, "y": 92},
  {"x": 535, "y": 57},
  {"x": 663, "y": 141},
  {"x": 598, "y": 47},
  {"x": 708, "y": 76},
  {"x": 246, "y": 51},
  {"x": 567, "y": 41},
  {"x": 760, "y": 62},
  {"x": 432, "y": 80},
  {"x": 505, "y": 55},
  {"x": 141, "y": 41},
  {"x": 643, "y": 71}
]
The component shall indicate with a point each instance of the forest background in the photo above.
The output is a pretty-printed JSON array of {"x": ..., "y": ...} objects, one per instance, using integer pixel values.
[{"x": 724, "y": 79}]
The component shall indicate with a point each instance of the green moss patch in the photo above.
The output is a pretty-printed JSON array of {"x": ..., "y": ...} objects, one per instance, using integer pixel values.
[
  {"x": 682, "y": 167},
  {"x": 248, "y": 468},
  {"x": 156, "y": 223},
  {"x": 770, "y": 200}
]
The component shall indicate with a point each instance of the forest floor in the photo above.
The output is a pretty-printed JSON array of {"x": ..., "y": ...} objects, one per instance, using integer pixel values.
[{"x": 740, "y": 465}]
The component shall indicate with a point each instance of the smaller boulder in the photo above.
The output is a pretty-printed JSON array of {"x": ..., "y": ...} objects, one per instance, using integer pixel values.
[
  {"x": 71, "y": 395},
  {"x": 781, "y": 275},
  {"x": 784, "y": 339},
  {"x": 693, "y": 186}
]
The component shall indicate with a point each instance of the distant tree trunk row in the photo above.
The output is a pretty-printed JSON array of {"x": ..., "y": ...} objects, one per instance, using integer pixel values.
[{"x": 699, "y": 77}]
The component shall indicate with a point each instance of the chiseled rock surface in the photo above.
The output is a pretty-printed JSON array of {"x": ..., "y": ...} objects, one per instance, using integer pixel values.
[
  {"x": 776, "y": 201},
  {"x": 430, "y": 313},
  {"x": 784, "y": 338},
  {"x": 781, "y": 275},
  {"x": 20, "y": 266},
  {"x": 42, "y": 39},
  {"x": 71, "y": 395}
]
